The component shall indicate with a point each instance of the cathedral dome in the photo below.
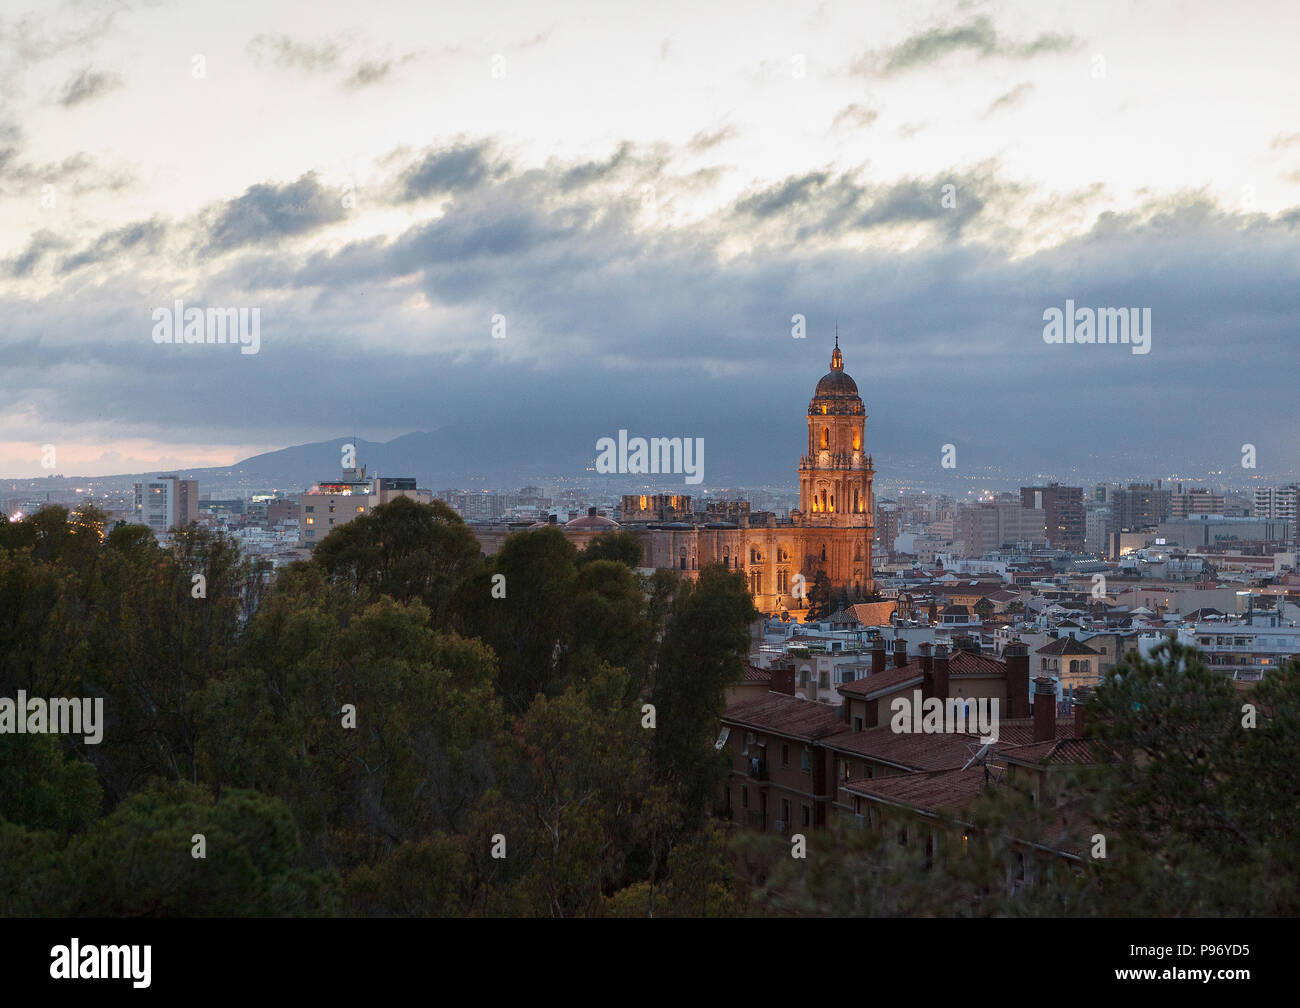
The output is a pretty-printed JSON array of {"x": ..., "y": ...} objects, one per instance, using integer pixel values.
[
  {"x": 592, "y": 522},
  {"x": 836, "y": 384}
]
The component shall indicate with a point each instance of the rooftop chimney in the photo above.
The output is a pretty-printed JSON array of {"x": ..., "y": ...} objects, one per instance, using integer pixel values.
[
  {"x": 900, "y": 652},
  {"x": 1016, "y": 658},
  {"x": 1044, "y": 709},
  {"x": 1080, "y": 723},
  {"x": 782, "y": 679},
  {"x": 877, "y": 655},
  {"x": 940, "y": 673}
]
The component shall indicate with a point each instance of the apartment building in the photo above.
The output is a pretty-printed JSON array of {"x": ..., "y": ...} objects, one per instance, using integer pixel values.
[
  {"x": 1194, "y": 502},
  {"x": 1278, "y": 503},
  {"x": 329, "y": 505},
  {"x": 1063, "y": 513},
  {"x": 166, "y": 502},
  {"x": 798, "y": 765},
  {"x": 1139, "y": 507}
]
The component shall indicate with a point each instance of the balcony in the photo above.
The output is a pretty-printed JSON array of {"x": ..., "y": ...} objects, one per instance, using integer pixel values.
[
  {"x": 847, "y": 461},
  {"x": 757, "y": 769}
]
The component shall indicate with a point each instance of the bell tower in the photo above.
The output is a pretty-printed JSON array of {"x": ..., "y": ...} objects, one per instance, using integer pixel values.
[{"x": 835, "y": 504}]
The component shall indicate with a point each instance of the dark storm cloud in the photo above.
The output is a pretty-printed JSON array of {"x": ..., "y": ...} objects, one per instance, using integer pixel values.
[
  {"x": 41, "y": 243},
  {"x": 978, "y": 35},
  {"x": 439, "y": 171},
  {"x": 614, "y": 321},
  {"x": 626, "y": 162},
  {"x": 145, "y": 236},
  {"x": 823, "y": 205},
  {"x": 87, "y": 85},
  {"x": 268, "y": 212}
]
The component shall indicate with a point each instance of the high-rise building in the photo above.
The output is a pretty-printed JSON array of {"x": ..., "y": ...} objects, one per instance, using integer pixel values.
[
  {"x": 1096, "y": 527},
  {"x": 1190, "y": 502},
  {"x": 1141, "y": 507},
  {"x": 1062, "y": 512},
  {"x": 1276, "y": 502},
  {"x": 167, "y": 502}
]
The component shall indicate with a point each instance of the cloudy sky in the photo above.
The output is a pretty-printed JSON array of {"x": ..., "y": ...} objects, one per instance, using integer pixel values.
[{"x": 647, "y": 194}]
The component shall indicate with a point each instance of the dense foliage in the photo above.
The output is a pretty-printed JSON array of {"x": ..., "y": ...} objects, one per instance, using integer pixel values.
[
  {"x": 364, "y": 735},
  {"x": 401, "y": 726}
]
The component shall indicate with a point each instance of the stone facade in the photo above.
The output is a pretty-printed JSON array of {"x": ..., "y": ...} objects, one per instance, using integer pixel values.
[{"x": 831, "y": 531}]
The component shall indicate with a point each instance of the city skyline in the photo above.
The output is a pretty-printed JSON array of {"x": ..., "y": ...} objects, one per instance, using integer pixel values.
[{"x": 678, "y": 245}]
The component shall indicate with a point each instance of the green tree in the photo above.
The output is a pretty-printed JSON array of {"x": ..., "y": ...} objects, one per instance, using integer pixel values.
[
  {"x": 703, "y": 651},
  {"x": 407, "y": 550},
  {"x": 819, "y": 598},
  {"x": 621, "y": 547},
  {"x": 529, "y": 628}
]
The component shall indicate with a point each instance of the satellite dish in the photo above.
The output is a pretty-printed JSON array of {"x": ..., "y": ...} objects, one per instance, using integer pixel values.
[{"x": 980, "y": 755}]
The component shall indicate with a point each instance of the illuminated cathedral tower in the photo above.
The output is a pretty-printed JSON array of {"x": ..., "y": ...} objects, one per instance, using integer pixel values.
[{"x": 835, "y": 484}]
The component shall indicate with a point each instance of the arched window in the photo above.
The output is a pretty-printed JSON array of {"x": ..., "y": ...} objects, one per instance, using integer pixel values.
[
  {"x": 683, "y": 558},
  {"x": 826, "y": 437}
]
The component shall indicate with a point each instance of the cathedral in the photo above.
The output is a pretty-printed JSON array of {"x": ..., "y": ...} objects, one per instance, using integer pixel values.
[{"x": 830, "y": 531}]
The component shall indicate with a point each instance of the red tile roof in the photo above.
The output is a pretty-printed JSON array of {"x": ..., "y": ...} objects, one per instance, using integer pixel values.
[
  {"x": 1020, "y": 731},
  {"x": 754, "y": 674},
  {"x": 928, "y": 792},
  {"x": 964, "y": 664},
  {"x": 1066, "y": 645},
  {"x": 885, "y": 682},
  {"x": 907, "y": 750},
  {"x": 780, "y": 714},
  {"x": 1058, "y": 751}
]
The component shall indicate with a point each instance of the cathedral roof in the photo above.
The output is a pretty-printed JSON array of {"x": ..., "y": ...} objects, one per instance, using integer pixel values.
[
  {"x": 591, "y": 521},
  {"x": 836, "y": 383}
]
